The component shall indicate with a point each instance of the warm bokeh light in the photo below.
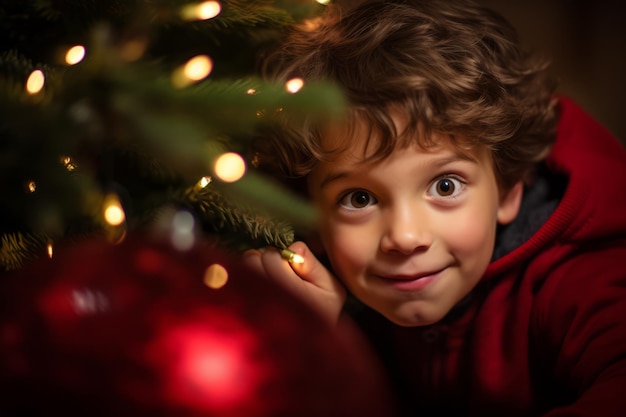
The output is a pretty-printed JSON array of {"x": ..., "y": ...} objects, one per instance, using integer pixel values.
[
  {"x": 133, "y": 49},
  {"x": 251, "y": 91},
  {"x": 324, "y": 2},
  {"x": 230, "y": 167},
  {"x": 31, "y": 186},
  {"x": 294, "y": 85},
  {"x": 215, "y": 276},
  {"x": 50, "y": 249},
  {"x": 198, "y": 67},
  {"x": 75, "y": 54},
  {"x": 201, "y": 11},
  {"x": 68, "y": 163},
  {"x": 113, "y": 211},
  {"x": 35, "y": 82}
]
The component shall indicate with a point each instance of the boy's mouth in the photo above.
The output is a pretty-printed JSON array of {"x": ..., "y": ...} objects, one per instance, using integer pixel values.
[{"x": 412, "y": 282}]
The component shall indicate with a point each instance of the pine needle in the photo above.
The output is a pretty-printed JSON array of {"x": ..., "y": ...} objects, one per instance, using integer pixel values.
[{"x": 18, "y": 248}]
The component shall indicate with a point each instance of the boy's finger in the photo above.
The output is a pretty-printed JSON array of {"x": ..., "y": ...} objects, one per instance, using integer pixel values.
[
  {"x": 253, "y": 259},
  {"x": 311, "y": 269}
]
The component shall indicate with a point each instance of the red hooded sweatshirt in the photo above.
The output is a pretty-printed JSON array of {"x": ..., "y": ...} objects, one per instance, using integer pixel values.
[{"x": 544, "y": 332}]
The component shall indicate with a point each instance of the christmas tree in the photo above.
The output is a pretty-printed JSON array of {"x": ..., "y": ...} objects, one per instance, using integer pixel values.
[{"x": 123, "y": 115}]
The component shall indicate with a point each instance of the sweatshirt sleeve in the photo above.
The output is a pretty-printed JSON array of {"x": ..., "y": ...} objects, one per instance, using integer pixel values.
[{"x": 580, "y": 335}]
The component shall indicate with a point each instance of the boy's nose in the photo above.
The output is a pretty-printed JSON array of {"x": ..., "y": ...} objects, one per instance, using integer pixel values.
[{"x": 406, "y": 231}]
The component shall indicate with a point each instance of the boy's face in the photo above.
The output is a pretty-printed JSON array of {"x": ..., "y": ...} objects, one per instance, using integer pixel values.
[{"x": 410, "y": 235}]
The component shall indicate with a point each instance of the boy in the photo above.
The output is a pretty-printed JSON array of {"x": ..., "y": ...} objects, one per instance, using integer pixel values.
[{"x": 479, "y": 218}]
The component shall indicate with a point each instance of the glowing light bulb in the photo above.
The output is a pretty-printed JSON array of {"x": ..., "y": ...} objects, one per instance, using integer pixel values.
[
  {"x": 294, "y": 85},
  {"x": 251, "y": 91},
  {"x": 201, "y": 11},
  {"x": 324, "y": 2},
  {"x": 31, "y": 186},
  {"x": 202, "y": 183},
  {"x": 75, "y": 54},
  {"x": 215, "y": 276},
  {"x": 35, "y": 82},
  {"x": 230, "y": 167},
  {"x": 50, "y": 249},
  {"x": 113, "y": 212},
  {"x": 291, "y": 257}
]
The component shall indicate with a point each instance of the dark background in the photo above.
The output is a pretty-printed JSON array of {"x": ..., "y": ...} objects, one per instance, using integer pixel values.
[
  {"x": 586, "y": 43},
  {"x": 585, "y": 40}
]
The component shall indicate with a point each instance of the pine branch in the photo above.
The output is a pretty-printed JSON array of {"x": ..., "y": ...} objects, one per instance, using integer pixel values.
[
  {"x": 18, "y": 248},
  {"x": 238, "y": 226}
]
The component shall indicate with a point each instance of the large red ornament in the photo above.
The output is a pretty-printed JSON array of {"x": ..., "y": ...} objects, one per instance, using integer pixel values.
[{"x": 133, "y": 330}]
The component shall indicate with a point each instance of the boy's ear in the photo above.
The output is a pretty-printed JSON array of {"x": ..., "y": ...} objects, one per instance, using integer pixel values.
[{"x": 510, "y": 203}]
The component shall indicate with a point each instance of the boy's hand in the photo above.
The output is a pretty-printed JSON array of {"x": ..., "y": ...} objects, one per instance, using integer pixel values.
[{"x": 309, "y": 280}]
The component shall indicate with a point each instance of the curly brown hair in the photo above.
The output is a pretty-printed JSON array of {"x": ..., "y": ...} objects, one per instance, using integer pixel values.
[{"x": 453, "y": 66}]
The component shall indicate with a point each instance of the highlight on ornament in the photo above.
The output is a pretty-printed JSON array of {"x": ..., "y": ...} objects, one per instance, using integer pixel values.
[
  {"x": 230, "y": 167},
  {"x": 35, "y": 82},
  {"x": 294, "y": 85},
  {"x": 194, "y": 70},
  {"x": 291, "y": 257},
  {"x": 113, "y": 212},
  {"x": 75, "y": 54},
  {"x": 200, "y": 11},
  {"x": 215, "y": 276},
  {"x": 183, "y": 236}
]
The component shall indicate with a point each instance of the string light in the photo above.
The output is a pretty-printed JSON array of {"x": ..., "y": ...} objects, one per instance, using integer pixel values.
[
  {"x": 75, "y": 54},
  {"x": 215, "y": 276},
  {"x": 291, "y": 257},
  {"x": 230, "y": 167},
  {"x": 294, "y": 85},
  {"x": 35, "y": 82},
  {"x": 202, "y": 183},
  {"x": 251, "y": 91},
  {"x": 113, "y": 212},
  {"x": 31, "y": 186},
  {"x": 324, "y": 2},
  {"x": 50, "y": 249},
  {"x": 200, "y": 11}
]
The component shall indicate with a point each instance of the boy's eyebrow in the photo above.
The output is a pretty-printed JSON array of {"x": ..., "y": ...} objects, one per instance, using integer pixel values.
[
  {"x": 332, "y": 177},
  {"x": 455, "y": 157}
]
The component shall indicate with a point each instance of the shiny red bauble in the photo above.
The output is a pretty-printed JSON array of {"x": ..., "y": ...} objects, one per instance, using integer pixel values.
[{"x": 134, "y": 330}]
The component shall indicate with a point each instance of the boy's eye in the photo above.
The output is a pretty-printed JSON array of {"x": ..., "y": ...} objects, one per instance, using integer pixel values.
[
  {"x": 445, "y": 187},
  {"x": 357, "y": 200}
]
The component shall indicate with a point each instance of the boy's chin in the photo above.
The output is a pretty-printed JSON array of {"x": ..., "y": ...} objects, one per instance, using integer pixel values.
[{"x": 415, "y": 317}]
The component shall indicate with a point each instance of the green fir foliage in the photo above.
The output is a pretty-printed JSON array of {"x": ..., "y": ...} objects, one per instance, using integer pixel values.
[{"x": 117, "y": 123}]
